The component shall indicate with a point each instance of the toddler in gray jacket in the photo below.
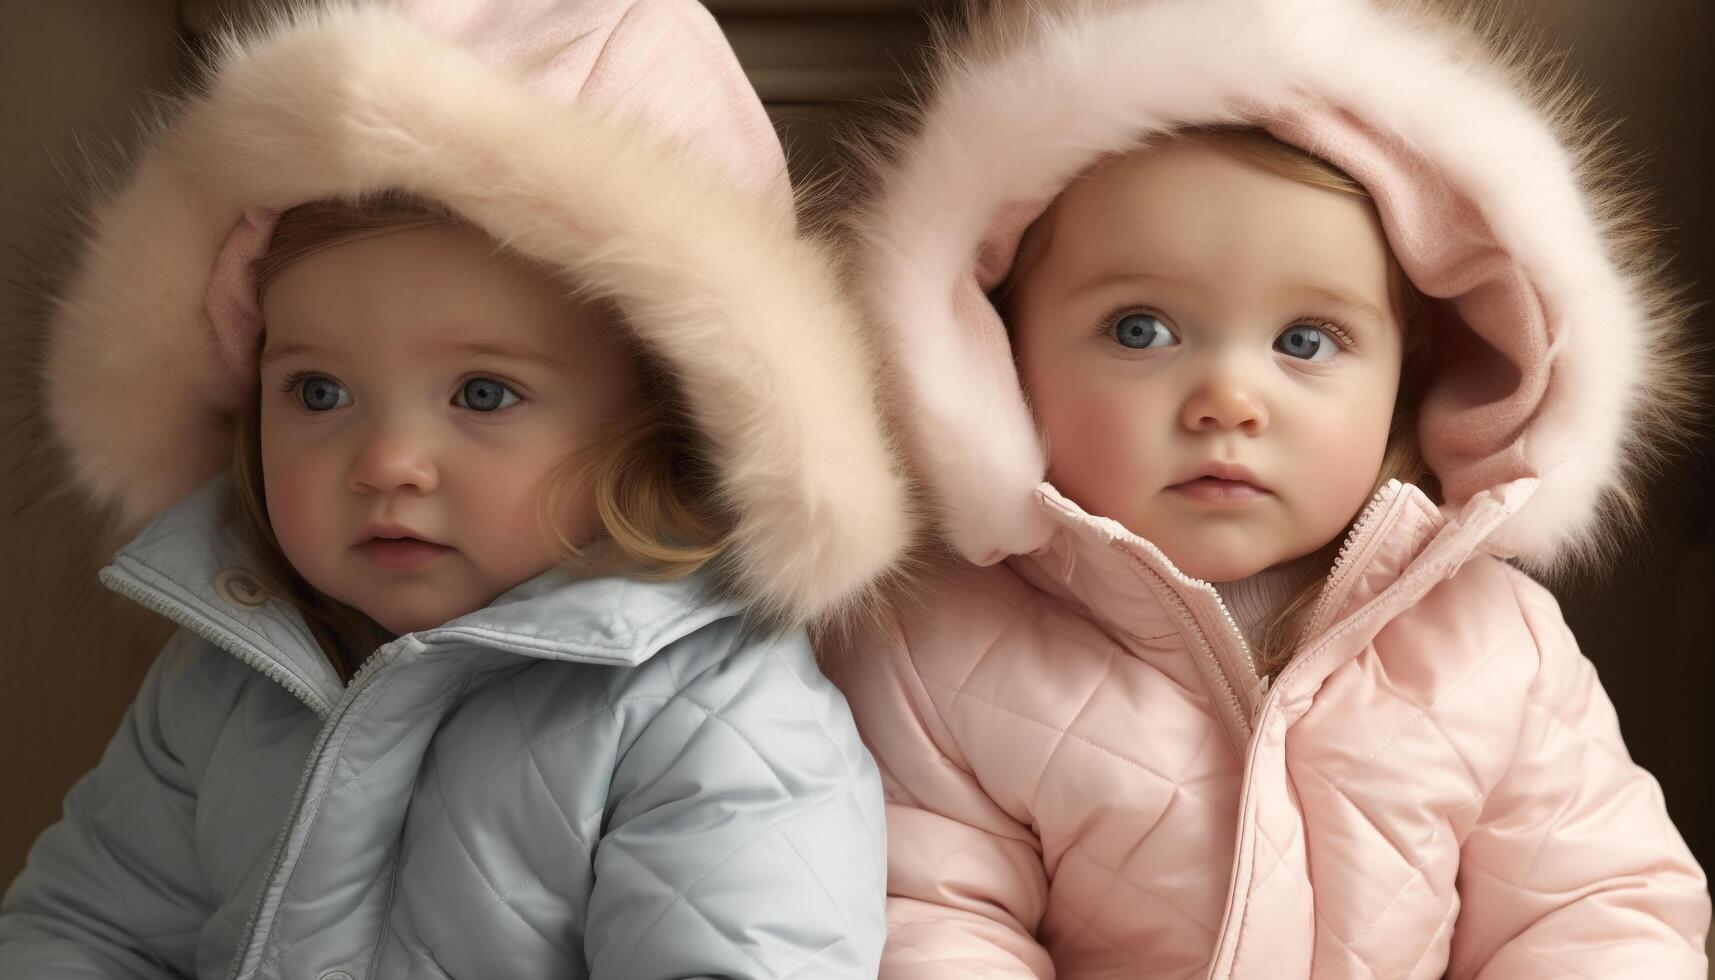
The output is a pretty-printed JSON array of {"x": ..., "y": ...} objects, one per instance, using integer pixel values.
[{"x": 492, "y": 434}]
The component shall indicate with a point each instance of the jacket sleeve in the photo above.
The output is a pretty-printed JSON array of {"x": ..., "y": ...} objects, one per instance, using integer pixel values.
[
  {"x": 744, "y": 835},
  {"x": 966, "y": 886},
  {"x": 114, "y": 889},
  {"x": 1574, "y": 867}
]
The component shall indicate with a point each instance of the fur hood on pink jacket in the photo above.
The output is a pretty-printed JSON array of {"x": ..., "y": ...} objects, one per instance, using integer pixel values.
[
  {"x": 527, "y": 119},
  {"x": 1494, "y": 194},
  {"x": 1086, "y": 776}
]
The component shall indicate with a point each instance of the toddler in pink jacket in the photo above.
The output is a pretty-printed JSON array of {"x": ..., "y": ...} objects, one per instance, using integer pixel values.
[{"x": 1252, "y": 353}]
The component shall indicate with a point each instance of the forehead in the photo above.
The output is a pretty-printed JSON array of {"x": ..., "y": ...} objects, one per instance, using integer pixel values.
[
  {"x": 1190, "y": 212},
  {"x": 435, "y": 285}
]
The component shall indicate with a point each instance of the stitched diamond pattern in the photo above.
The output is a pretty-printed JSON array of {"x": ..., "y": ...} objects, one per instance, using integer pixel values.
[
  {"x": 1103, "y": 746},
  {"x": 1151, "y": 886},
  {"x": 514, "y": 814},
  {"x": 545, "y": 819}
]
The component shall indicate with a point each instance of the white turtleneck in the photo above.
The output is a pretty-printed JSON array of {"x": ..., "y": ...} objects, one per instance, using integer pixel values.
[{"x": 1252, "y": 600}]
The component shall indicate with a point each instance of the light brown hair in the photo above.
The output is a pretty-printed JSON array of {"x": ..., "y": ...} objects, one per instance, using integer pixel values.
[{"x": 655, "y": 491}]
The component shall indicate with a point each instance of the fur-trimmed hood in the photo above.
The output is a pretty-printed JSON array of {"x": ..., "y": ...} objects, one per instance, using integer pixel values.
[
  {"x": 1555, "y": 354},
  {"x": 615, "y": 141}
]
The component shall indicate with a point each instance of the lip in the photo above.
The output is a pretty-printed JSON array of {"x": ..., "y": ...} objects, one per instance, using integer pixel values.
[
  {"x": 384, "y": 529},
  {"x": 398, "y": 548},
  {"x": 1221, "y": 484}
]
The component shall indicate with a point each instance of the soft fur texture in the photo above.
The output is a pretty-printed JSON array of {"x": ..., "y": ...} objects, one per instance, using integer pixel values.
[
  {"x": 1033, "y": 93},
  {"x": 348, "y": 99}
]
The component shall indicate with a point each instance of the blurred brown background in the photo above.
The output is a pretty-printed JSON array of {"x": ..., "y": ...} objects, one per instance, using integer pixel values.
[{"x": 75, "y": 73}]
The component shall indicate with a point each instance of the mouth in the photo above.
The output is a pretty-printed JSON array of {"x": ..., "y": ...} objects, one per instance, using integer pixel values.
[
  {"x": 1221, "y": 484},
  {"x": 398, "y": 550}
]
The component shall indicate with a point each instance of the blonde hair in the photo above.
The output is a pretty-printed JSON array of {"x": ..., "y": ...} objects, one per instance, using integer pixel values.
[
  {"x": 1279, "y": 635},
  {"x": 655, "y": 492},
  {"x": 654, "y": 488}
]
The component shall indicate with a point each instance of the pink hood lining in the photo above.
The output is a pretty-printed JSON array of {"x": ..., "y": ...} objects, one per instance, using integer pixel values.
[{"x": 591, "y": 52}]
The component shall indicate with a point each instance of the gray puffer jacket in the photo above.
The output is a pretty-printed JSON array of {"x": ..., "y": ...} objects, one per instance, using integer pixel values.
[{"x": 600, "y": 778}]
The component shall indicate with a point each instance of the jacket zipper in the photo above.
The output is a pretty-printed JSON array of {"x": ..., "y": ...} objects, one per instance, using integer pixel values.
[
  {"x": 1246, "y": 706},
  {"x": 153, "y": 600},
  {"x": 1350, "y": 551},
  {"x": 371, "y": 665},
  {"x": 1353, "y": 553},
  {"x": 1253, "y": 681},
  {"x": 1235, "y": 633},
  {"x": 1356, "y": 546},
  {"x": 1241, "y": 711}
]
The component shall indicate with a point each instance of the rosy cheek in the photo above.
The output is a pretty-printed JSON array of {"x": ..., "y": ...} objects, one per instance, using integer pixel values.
[
  {"x": 1097, "y": 448},
  {"x": 502, "y": 513},
  {"x": 298, "y": 499},
  {"x": 287, "y": 511},
  {"x": 1343, "y": 458}
]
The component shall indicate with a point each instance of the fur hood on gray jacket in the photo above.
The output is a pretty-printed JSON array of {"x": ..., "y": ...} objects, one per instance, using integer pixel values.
[{"x": 525, "y": 117}]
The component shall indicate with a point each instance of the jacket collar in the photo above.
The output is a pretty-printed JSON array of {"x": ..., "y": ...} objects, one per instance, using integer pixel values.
[
  {"x": 188, "y": 566},
  {"x": 1398, "y": 549},
  {"x": 1124, "y": 580}
]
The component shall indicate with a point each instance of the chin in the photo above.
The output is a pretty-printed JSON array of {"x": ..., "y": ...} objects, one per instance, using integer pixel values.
[
  {"x": 1216, "y": 561},
  {"x": 402, "y": 621}
]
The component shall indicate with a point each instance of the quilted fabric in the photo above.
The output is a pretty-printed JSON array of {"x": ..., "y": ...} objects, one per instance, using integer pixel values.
[
  {"x": 601, "y": 778},
  {"x": 1083, "y": 781}
]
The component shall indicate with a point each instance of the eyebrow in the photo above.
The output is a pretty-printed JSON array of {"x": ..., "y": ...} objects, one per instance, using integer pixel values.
[
  {"x": 500, "y": 350},
  {"x": 285, "y": 351},
  {"x": 1109, "y": 279},
  {"x": 1350, "y": 302},
  {"x": 1324, "y": 293}
]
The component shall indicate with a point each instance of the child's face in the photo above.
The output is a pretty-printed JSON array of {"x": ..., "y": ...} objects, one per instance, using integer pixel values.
[
  {"x": 1211, "y": 352},
  {"x": 417, "y": 384}
]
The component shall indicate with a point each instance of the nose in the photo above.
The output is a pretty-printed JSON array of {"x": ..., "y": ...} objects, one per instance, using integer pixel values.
[
  {"x": 393, "y": 457},
  {"x": 1224, "y": 400}
]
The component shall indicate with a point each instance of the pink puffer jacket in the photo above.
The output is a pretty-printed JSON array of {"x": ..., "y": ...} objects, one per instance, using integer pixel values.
[{"x": 1086, "y": 778}]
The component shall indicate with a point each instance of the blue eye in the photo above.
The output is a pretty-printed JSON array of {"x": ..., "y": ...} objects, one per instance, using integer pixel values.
[
  {"x": 322, "y": 394},
  {"x": 1142, "y": 331},
  {"x": 485, "y": 395},
  {"x": 1306, "y": 342}
]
